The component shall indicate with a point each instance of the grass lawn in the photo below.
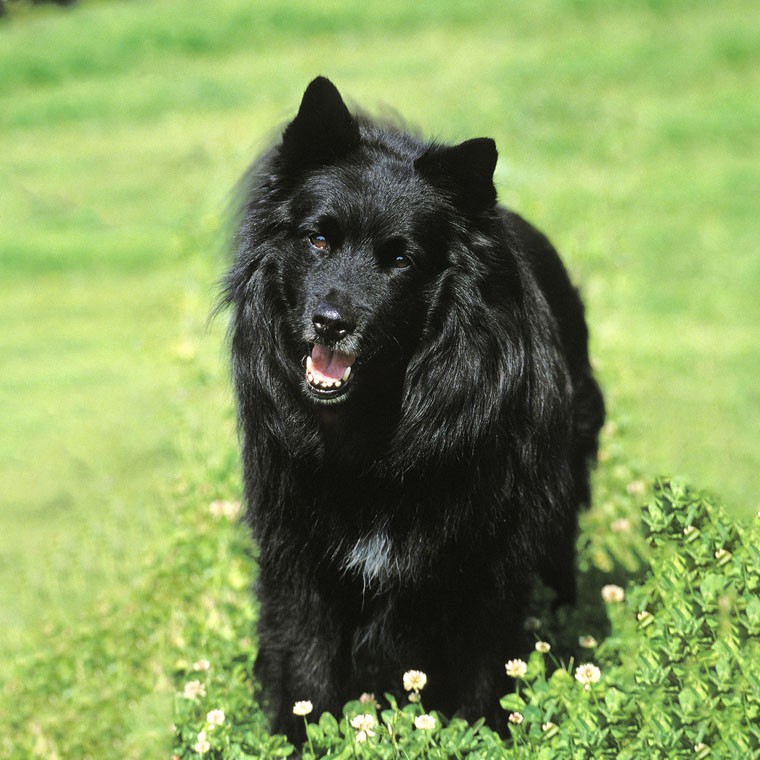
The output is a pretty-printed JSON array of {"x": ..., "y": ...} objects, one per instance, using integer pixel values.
[{"x": 627, "y": 131}]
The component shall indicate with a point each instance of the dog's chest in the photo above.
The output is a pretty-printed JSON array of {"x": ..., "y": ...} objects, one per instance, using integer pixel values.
[{"x": 373, "y": 558}]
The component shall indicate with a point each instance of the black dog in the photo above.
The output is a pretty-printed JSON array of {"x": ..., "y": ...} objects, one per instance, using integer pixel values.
[{"x": 417, "y": 409}]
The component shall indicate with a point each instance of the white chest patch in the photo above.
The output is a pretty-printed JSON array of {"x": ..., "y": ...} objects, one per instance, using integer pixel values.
[{"x": 372, "y": 558}]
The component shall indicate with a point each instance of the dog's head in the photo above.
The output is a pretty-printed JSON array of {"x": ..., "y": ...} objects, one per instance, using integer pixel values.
[{"x": 361, "y": 221}]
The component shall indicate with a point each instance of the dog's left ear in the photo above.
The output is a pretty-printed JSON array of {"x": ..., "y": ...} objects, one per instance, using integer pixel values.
[
  {"x": 465, "y": 172},
  {"x": 323, "y": 129}
]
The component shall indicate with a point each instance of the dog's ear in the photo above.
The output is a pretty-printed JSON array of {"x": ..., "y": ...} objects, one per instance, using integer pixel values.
[
  {"x": 464, "y": 172},
  {"x": 323, "y": 129}
]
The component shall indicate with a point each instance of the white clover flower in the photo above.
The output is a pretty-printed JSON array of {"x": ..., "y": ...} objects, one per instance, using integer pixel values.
[
  {"x": 722, "y": 555},
  {"x": 587, "y": 642},
  {"x": 636, "y": 488},
  {"x": 216, "y": 508},
  {"x": 202, "y": 746},
  {"x": 201, "y": 665},
  {"x": 621, "y": 525},
  {"x": 424, "y": 722},
  {"x": 193, "y": 690},
  {"x": 361, "y": 736},
  {"x": 303, "y": 707},
  {"x": 222, "y": 508},
  {"x": 612, "y": 593},
  {"x": 645, "y": 618},
  {"x": 532, "y": 624},
  {"x": 364, "y": 723},
  {"x": 587, "y": 674},
  {"x": 701, "y": 747},
  {"x": 414, "y": 680},
  {"x": 516, "y": 668},
  {"x": 233, "y": 510},
  {"x": 543, "y": 646},
  {"x": 414, "y": 697},
  {"x": 516, "y": 718},
  {"x": 550, "y": 729},
  {"x": 215, "y": 718},
  {"x": 369, "y": 699}
]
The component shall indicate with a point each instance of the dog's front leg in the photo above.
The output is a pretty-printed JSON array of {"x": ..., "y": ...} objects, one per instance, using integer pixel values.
[{"x": 298, "y": 657}]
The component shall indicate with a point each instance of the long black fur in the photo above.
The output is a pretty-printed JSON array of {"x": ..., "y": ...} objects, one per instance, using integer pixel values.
[{"x": 402, "y": 527}]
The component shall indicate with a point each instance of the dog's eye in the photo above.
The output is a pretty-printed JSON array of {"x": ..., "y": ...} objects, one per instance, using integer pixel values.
[
  {"x": 392, "y": 254},
  {"x": 320, "y": 242}
]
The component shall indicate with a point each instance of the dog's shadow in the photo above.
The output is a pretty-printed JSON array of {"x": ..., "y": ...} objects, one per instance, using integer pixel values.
[{"x": 576, "y": 631}]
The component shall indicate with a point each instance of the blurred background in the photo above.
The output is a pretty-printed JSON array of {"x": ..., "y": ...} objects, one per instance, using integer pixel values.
[{"x": 627, "y": 131}]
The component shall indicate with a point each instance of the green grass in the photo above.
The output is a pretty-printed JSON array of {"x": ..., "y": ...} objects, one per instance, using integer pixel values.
[{"x": 627, "y": 131}]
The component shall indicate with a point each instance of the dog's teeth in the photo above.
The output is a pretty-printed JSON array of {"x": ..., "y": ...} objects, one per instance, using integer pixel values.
[
  {"x": 337, "y": 384},
  {"x": 346, "y": 374},
  {"x": 308, "y": 364},
  {"x": 310, "y": 377}
]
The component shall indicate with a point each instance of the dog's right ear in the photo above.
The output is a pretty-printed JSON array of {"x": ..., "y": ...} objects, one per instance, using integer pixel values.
[
  {"x": 322, "y": 131},
  {"x": 464, "y": 172}
]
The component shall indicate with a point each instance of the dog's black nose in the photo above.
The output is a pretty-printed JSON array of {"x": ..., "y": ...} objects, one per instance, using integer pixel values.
[{"x": 332, "y": 323}]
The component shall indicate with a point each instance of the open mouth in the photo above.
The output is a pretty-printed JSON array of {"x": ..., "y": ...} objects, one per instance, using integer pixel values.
[{"x": 328, "y": 372}]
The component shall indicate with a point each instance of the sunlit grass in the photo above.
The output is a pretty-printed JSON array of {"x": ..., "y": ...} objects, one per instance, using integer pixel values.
[{"x": 628, "y": 132}]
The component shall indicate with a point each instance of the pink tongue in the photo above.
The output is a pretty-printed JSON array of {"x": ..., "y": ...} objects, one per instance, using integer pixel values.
[{"x": 328, "y": 364}]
